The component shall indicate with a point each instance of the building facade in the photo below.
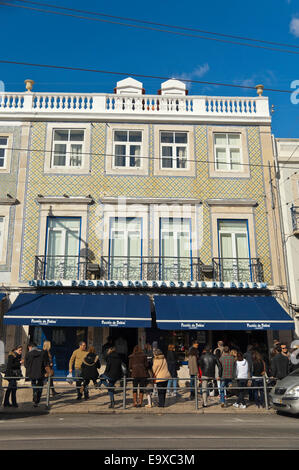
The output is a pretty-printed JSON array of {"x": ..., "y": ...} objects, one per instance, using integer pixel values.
[
  {"x": 138, "y": 195},
  {"x": 287, "y": 155}
]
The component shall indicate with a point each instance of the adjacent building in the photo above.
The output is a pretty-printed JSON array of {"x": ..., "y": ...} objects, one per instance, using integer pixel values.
[{"x": 141, "y": 217}]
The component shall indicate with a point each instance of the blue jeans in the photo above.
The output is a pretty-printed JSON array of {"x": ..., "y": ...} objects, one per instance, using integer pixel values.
[
  {"x": 259, "y": 396},
  {"x": 223, "y": 384},
  {"x": 172, "y": 385},
  {"x": 109, "y": 383}
]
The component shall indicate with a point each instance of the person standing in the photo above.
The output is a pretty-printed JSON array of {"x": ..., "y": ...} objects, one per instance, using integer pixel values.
[
  {"x": 89, "y": 370},
  {"x": 258, "y": 371},
  {"x": 108, "y": 345},
  {"x": 173, "y": 366},
  {"x": 47, "y": 350},
  {"x": 138, "y": 367},
  {"x": 161, "y": 375},
  {"x": 35, "y": 362},
  {"x": 242, "y": 374},
  {"x": 193, "y": 370},
  {"x": 13, "y": 373},
  {"x": 113, "y": 372},
  {"x": 77, "y": 359},
  {"x": 226, "y": 375},
  {"x": 207, "y": 364},
  {"x": 219, "y": 348},
  {"x": 280, "y": 365}
]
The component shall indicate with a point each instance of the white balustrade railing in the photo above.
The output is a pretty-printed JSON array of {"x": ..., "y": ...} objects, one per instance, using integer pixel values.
[{"x": 134, "y": 104}]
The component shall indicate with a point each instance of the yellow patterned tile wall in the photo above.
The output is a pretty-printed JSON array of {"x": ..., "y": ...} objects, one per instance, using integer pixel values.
[{"x": 98, "y": 184}]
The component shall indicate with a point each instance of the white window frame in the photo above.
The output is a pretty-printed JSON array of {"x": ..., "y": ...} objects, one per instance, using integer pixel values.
[
  {"x": 127, "y": 144},
  {"x": 2, "y": 228},
  {"x": 68, "y": 143},
  {"x": 86, "y": 150},
  {"x": 8, "y": 151},
  {"x": 5, "y": 148},
  {"x": 174, "y": 147},
  {"x": 228, "y": 147}
]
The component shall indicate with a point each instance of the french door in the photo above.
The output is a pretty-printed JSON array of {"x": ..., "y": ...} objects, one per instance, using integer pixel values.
[
  {"x": 234, "y": 250},
  {"x": 175, "y": 249},
  {"x": 63, "y": 248},
  {"x": 125, "y": 248}
]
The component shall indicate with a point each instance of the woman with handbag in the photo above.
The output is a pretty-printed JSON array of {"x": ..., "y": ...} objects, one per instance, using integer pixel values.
[
  {"x": 49, "y": 367},
  {"x": 13, "y": 373}
]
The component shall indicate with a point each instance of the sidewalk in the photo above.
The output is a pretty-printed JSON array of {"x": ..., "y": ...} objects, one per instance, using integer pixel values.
[{"x": 98, "y": 402}]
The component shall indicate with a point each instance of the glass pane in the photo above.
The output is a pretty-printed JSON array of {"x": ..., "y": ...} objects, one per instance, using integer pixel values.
[
  {"x": 181, "y": 137},
  {"x": 166, "y": 151},
  {"x": 181, "y": 153},
  {"x": 221, "y": 159},
  {"x": 234, "y": 139},
  {"x": 242, "y": 246},
  {"x": 226, "y": 245},
  {"x": 220, "y": 139},
  {"x": 135, "y": 136},
  {"x": 167, "y": 137},
  {"x": 3, "y": 140},
  {"x": 120, "y": 136},
  {"x": 77, "y": 135},
  {"x": 76, "y": 155},
  {"x": 61, "y": 134},
  {"x": 235, "y": 159},
  {"x": 2, "y": 157},
  {"x": 59, "y": 155},
  {"x": 233, "y": 225},
  {"x": 120, "y": 152}
]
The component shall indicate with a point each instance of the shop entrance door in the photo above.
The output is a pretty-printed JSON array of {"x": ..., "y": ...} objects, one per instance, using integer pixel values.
[{"x": 63, "y": 340}]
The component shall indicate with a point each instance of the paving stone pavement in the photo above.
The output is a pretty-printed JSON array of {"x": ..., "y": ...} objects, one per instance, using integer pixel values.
[{"x": 66, "y": 402}]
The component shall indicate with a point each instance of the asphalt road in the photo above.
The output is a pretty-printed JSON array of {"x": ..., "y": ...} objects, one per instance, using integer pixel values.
[{"x": 133, "y": 432}]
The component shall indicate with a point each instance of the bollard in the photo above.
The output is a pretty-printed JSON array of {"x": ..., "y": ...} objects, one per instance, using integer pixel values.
[
  {"x": 196, "y": 393},
  {"x": 48, "y": 393},
  {"x": 124, "y": 391},
  {"x": 265, "y": 392}
]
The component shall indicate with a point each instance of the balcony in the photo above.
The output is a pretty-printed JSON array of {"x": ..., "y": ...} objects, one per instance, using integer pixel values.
[
  {"x": 134, "y": 106},
  {"x": 238, "y": 269},
  {"x": 295, "y": 219},
  {"x": 151, "y": 268},
  {"x": 60, "y": 267}
]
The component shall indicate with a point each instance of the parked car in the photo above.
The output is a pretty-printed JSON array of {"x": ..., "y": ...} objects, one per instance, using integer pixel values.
[{"x": 285, "y": 394}]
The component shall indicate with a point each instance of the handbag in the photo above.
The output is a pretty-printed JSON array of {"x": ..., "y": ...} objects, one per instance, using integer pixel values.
[{"x": 49, "y": 371}]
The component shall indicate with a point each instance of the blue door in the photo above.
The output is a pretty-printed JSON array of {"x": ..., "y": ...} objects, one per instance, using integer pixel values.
[{"x": 64, "y": 340}]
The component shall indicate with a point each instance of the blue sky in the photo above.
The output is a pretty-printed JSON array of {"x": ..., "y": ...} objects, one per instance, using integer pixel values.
[{"x": 31, "y": 36}]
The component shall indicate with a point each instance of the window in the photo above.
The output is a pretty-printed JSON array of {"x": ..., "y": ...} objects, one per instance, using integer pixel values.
[
  {"x": 67, "y": 148},
  {"x": 3, "y": 151},
  {"x": 1, "y": 234},
  {"x": 173, "y": 149},
  {"x": 127, "y": 148},
  {"x": 62, "y": 261},
  {"x": 234, "y": 250},
  {"x": 125, "y": 248},
  {"x": 227, "y": 149},
  {"x": 175, "y": 248}
]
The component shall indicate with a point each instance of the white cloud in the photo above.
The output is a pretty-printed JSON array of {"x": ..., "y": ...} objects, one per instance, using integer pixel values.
[
  {"x": 197, "y": 73},
  {"x": 294, "y": 27}
]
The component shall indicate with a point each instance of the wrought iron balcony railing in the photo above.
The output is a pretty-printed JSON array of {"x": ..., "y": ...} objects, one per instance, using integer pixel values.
[
  {"x": 151, "y": 268},
  {"x": 60, "y": 267},
  {"x": 238, "y": 269}
]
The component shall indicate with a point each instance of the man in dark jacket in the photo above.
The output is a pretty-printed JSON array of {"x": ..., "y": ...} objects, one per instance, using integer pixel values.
[
  {"x": 280, "y": 365},
  {"x": 207, "y": 364},
  {"x": 35, "y": 362},
  {"x": 113, "y": 372}
]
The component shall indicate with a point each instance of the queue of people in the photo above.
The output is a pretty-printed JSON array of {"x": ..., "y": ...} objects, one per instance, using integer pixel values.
[{"x": 153, "y": 373}]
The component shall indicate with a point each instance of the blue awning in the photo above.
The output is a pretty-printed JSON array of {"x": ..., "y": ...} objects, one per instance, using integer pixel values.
[
  {"x": 221, "y": 313},
  {"x": 131, "y": 311}
]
